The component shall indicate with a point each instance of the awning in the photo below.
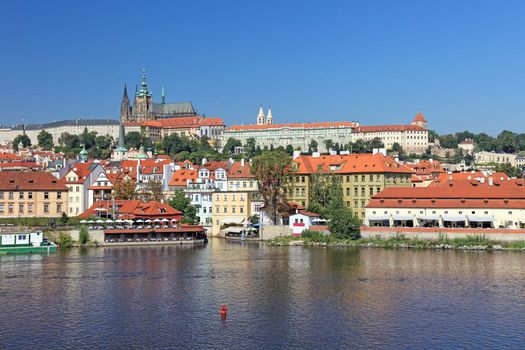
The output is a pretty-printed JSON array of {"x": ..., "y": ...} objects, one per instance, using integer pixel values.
[
  {"x": 428, "y": 217},
  {"x": 378, "y": 217},
  {"x": 480, "y": 218},
  {"x": 400, "y": 217},
  {"x": 454, "y": 218}
]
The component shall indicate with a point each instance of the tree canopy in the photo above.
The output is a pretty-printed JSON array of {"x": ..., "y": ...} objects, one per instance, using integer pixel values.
[
  {"x": 182, "y": 203},
  {"x": 45, "y": 140},
  {"x": 26, "y": 142}
]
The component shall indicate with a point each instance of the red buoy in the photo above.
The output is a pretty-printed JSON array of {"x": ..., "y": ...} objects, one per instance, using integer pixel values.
[{"x": 223, "y": 310}]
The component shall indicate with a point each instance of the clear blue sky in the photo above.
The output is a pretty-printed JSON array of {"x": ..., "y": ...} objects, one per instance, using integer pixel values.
[{"x": 462, "y": 63}]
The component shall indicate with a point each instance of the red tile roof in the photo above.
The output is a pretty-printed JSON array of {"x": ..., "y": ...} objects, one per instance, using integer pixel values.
[
  {"x": 454, "y": 194},
  {"x": 349, "y": 163},
  {"x": 179, "y": 122},
  {"x": 238, "y": 171},
  {"x": 134, "y": 209},
  {"x": 386, "y": 128},
  {"x": 180, "y": 177},
  {"x": 419, "y": 118},
  {"x": 30, "y": 181},
  {"x": 293, "y": 125}
]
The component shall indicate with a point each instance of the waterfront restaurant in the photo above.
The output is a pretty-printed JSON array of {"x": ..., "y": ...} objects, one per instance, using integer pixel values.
[
  {"x": 183, "y": 234},
  {"x": 476, "y": 203},
  {"x": 131, "y": 209}
]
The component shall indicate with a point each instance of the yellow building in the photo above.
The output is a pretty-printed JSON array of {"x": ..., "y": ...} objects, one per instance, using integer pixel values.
[
  {"x": 361, "y": 176},
  {"x": 31, "y": 194},
  {"x": 235, "y": 206}
]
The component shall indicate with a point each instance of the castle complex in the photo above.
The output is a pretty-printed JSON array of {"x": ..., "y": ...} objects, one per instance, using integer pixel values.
[{"x": 145, "y": 109}]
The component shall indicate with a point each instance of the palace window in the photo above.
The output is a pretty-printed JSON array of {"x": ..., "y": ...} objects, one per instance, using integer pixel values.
[
  {"x": 21, "y": 195},
  {"x": 46, "y": 195}
]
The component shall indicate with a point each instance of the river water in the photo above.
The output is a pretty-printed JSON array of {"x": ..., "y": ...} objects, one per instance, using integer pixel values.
[{"x": 277, "y": 298}]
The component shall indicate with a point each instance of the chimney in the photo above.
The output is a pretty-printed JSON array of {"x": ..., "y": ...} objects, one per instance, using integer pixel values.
[
  {"x": 316, "y": 154},
  {"x": 431, "y": 160},
  {"x": 204, "y": 161},
  {"x": 296, "y": 154},
  {"x": 242, "y": 162},
  {"x": 491, "y": 181},
  {"x": 231, "y": 160}
]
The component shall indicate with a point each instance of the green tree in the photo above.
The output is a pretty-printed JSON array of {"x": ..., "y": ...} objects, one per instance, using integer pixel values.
[
  {"x": 312, "y": 147},
  {"x": 230, "y": 145},
  {"x": 69, "y": 141},
  {"x": 133, "y": 139},
  {"x": 125, "y": 189},
  {"x": 343, "y": 224},
  {"x": 182, "y": 203},
  {"x": 326, "y": 194},
  {"x": 250, "y": 148},
  {"x": 26, "y": 142},
  {"x": 271, "y": 169},
  {"x": 329, "y": 144},
  {"x": 289, "y": 150},
  {"x": 153, "y": 191},
  {"x": 45, "y": 140},
  {"x": 509, "y": 170},
  {"x": 88, "y": 138},
  {"x": 83, "y": 235}
]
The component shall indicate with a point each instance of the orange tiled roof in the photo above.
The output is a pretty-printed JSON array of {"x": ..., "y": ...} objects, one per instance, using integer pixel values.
[
  {"x": 134, "y": 209},
  {"x": 426, "y": 167},
  {"x": 180, "y": 177},
  {"x": 349, "y": 163},
  {"x": 419, "y": 118},
  {"x": 384, "y": 128},
  {"x": 30, "y": 181},
  {"x": 292, "y": 125},
  {"x": 239, "y": 171},
  {"x": 179, "y": 122}
]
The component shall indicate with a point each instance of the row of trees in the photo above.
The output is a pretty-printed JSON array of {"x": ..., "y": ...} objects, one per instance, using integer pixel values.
[{"x": 506, "y": 141}]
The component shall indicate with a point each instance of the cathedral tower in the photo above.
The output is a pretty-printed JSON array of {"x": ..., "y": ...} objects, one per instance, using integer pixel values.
[
  {"x": 269, "y": 117},
  {"x": 142, "y": 106},
  {"x": 125, "y": 107}
]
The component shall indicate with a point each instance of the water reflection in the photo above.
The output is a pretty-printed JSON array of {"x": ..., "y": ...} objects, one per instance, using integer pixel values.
[{"x": 136, "y": 297}]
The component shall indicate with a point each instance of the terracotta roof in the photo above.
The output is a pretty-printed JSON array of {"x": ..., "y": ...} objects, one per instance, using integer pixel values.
[
  {"x": 179, "y": 122},
  {"x": 134, "y": 209},
  {"x": 426, "y": 167},
  {"x": 385, "y": 128},
  {"x": 9, "y": 157},
  {"x": 238, "y": 171},
  {"x": 30, "y": 181},
  {"x": 467, "y": 142},
  {"x": 180, "y": 177},
  {"x": 308, "y": 213},
  {"x": 444, "y": 178},
  {"x": 349, "y": 164},
  {"x": 419, "y": 118},
  {"x": 19, "y": 165},
  {"x": 293, "y": 125}
]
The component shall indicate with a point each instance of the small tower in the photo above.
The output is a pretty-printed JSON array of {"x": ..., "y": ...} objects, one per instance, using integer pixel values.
[
  {"x": 162, "y": 97},
  {"x": 260, "y": 116},
  {"x": 269, "y": 118},
  {"x": 420, "y": 121}
]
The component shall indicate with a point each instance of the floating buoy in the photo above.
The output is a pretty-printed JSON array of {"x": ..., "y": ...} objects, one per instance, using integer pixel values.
[{"x": 223, "y": 310}]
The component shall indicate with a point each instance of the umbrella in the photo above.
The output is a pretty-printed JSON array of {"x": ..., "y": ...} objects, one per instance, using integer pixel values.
[
  {"x": 164, "y": 220},
  {"x": 156, "y": 220},
  {"x": 109, "y": 221},
  {"x": 91, "y": 222},
  {"x": 174, "y": 219},
  {"x": 100, "y": 209},
  {"x": 129, "y": 221},
  {"x": 99, "y": 221},
  {"x": 148, "y": 220},
  {"x": 139, "y": 220},
  {"x": 119, "y": 220},
  {"x": 83, "y": 221}
]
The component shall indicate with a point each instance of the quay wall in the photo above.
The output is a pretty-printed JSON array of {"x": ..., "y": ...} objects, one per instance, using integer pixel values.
[{"x": 436, "y": 233}]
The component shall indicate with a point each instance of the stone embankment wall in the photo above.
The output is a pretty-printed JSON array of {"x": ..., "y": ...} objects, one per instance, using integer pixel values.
[
  {"x": 94, "y": 235},
  {"x": 436, "y": 233},
  {"x": 271, "y": 231}
]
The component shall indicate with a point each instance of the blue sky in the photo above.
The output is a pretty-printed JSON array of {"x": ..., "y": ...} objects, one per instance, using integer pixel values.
[{"x": 462, "y": 63}]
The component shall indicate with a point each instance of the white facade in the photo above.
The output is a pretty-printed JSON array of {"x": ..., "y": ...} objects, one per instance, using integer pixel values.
[
  {"x": 485, "y": 157},
  {"x": 412, "y": 139},
  {"x": 446, "y": 217}
]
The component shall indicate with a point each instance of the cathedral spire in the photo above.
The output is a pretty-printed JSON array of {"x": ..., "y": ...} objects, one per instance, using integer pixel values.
[
  {"x": 125, "y": 91},
  {"x": 162, "y": 97}
]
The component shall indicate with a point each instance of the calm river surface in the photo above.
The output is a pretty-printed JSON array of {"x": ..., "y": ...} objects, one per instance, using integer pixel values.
[{"x": 277, "y": 297}]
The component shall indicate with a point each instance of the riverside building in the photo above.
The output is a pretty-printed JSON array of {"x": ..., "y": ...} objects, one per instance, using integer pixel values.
[{"x": 361, "y": 176}]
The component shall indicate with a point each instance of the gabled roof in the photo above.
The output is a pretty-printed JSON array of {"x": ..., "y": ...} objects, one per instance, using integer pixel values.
[
  {"x": 181, "y": 177},
  {"x": 239, "y": 171}
]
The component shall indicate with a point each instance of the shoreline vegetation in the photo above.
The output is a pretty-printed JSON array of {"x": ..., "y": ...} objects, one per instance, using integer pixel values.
[{"x": 477, "y": 242}]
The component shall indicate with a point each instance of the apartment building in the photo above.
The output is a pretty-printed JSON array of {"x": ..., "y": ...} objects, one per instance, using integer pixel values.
[
  {"x": 361, "y": 176},
  {"x": 32, "y": 194},
  {"x": 78, "y": 180}
]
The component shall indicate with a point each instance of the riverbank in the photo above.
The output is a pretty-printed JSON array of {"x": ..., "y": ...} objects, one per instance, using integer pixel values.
[{"x": 477, "y": 242}]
